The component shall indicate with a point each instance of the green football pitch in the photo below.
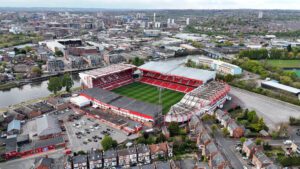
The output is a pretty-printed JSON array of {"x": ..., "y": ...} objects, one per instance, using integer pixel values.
[{"x": 150, "y": 94}]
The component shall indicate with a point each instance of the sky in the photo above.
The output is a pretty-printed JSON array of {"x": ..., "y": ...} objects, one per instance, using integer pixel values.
[{"x": 157, "y": 4}]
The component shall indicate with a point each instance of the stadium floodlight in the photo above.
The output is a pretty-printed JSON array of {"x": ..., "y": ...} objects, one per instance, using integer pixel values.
[{"x": 160, "y": 89}]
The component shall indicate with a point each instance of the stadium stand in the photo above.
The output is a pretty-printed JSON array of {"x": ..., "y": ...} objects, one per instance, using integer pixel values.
[
  {"x": 174, "y": 77},
  {"x": 124, "y": 106},
  {"x": 203, "y": 99},
  {"x": 109, "y": 77}
]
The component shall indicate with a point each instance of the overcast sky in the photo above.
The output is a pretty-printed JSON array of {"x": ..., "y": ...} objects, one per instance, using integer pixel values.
[{"x": 157, "y": 4}]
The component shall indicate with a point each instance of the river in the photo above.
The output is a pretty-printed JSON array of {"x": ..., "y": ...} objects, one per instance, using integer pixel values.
[{"x": 28, "y": 92}]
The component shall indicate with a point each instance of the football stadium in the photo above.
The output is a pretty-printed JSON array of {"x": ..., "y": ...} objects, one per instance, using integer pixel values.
[
  {"x": 150, "y": 94},
  {"x": 154, "y": 90}
]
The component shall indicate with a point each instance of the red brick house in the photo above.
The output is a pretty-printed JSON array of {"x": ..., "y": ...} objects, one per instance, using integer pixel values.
[{"x": 235, "y": 130}]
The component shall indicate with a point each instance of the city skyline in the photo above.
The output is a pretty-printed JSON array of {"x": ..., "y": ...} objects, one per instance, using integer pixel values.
[{"x": 157, "y": 4}]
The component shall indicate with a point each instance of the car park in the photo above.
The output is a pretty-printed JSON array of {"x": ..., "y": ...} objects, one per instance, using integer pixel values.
[{"x": 89, "y": 135}]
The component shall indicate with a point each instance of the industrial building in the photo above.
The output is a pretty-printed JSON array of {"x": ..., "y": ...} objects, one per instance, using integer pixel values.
[{"x": 281, "y": 87}]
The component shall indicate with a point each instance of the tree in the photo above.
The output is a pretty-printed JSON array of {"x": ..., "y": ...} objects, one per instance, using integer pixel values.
[
  {"x": 197, "y": 44},
  {"x": 67, "y": 82},
  {"x": 243, "y": 139},
  {"x": 214, "y": 128},
  {"x": 161, "y": 138},
  {"x": 137, "y": 61},
  {"x": 174, "y": 129},
  {"x": 36, "y": 71},
  {"x": 58, "y": 53},
  {"x": 18, "y": 77},
  {"x": 289, "y": 48},
  {"x": 225, "y": 131},
  {"x": 228, "y": 78},
  {"x": 54, "y": 84},
  {"x": 258, "y": 141},
  {"x": 108, "y": 143}
]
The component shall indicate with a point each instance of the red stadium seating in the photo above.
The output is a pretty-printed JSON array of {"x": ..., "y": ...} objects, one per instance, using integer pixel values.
[
  {"x": 170, "y": 82},
  {"x": 113, "y": 81}
]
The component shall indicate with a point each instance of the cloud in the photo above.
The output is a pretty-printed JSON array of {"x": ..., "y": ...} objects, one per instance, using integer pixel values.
[{"x": 157, "y": 4}]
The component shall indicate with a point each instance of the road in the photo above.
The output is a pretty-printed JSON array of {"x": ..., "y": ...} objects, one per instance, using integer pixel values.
[
  {"x": 273, "y": 111},
  {"x": 227, "y": 147}
]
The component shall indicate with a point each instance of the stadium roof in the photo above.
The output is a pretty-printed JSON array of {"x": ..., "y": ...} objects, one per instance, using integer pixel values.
[
  {"x": 102, "y": 95},
  {"x": 176, "y": 69},
  {"x": 277, "y": 85},
  {"x": 123, "y": 102},
  {"x": 96, "y": 73}
]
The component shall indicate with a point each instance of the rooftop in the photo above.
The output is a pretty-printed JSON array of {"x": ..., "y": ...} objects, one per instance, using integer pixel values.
[
  {"x": 277, "y": 85},
  {"x": 14, "y": 125},
  {"x": 174, "y": 68},
  {"x": 80, "y": 159},
  {"x": 109, "y": 154},
  {"x": 47, "y": 125},
  {"x": 96, "y": 73},
  {"x": 123, "y": 102}
]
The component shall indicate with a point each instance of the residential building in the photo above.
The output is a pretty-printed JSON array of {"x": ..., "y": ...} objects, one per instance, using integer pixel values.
[
  {"x": 249, "y": 148},
  {"x": 95, "y": 158},
  {"x": 43, "y": 163},
  {"x": 127, "y": 157},
  {"x": 260, "y": 160},
  {"x": 58, "y": 103},
  {"x": 210, "y": 149},
  {"x": 203, "y": 140},
  {"x": 55, "y": 65},
  {"x": 217, "y": 161},
  {"x": 143, "y": 153},
  {"x": 225, "y": 120},
  {"x": 110, "y": 159},
  {"x": 80, "y": 162},
  {"x": 161, "y": 150},
  {"x": 235, "y": 130}
]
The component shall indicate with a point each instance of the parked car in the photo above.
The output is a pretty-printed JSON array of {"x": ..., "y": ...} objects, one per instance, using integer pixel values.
[{"x": 287, "y": 142}]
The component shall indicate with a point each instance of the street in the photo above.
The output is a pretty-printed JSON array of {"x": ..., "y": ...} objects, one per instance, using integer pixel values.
[{"x": 227, "y": 147}]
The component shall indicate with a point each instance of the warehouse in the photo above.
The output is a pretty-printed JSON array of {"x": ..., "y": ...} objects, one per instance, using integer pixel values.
[{"x": 271, "y": 84}]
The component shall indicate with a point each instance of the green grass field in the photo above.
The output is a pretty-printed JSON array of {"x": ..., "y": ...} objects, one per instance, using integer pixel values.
[
  {"x": 150, "y": 94},
  {"x": 285, "y": 63}
]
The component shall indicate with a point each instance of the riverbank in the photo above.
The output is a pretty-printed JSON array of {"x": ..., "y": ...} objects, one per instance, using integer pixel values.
[
  {"x": 9, "y": 85},
  {"x": 32, "y": 101},
  {"x": 13, "y": 84}
]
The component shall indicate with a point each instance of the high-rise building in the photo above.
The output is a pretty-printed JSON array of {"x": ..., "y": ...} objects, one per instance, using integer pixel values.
[
  {"x": 260, "y": 15},
  {"x": 187, "y": 21},
  {"x": 154, "y": 17},
  {"x": 169, "y": 21}
]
